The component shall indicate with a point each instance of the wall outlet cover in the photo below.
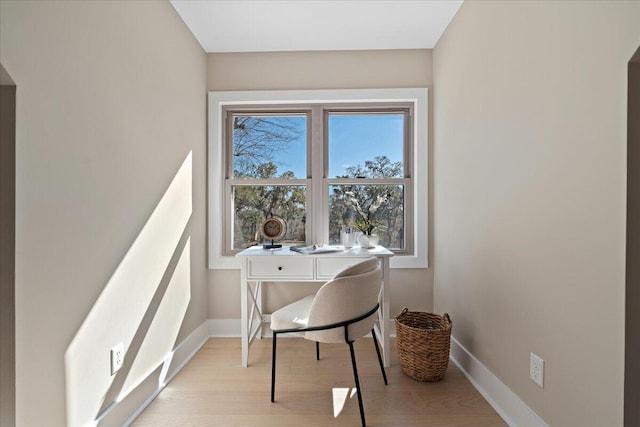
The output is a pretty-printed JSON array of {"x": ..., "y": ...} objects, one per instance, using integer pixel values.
[
  {"x": 536, "y": 369},
  {"x": 117, "y": 358}
]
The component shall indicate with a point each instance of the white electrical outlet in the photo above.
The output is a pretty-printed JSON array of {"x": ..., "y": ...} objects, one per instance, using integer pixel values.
[
  {"x": 117, "y": 357},
  {"x": 536, "y": 370}
]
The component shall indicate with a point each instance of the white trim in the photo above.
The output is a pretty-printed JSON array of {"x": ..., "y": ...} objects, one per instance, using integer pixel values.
[
  {"x": 215, "y": 178},
  {"x": 172, "y": 364},
  {"x": 191, "y": 345},
  {"x": 506, "y": 403}
]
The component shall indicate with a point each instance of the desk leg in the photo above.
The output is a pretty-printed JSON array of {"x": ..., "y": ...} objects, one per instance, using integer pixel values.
[
  {"x": 259, "y": 306},
  {"x": 384, "y": 327},
  {"x": 244, "y": 314}
]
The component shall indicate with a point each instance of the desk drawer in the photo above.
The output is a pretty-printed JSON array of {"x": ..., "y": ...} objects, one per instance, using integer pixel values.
[
  {"x": 280, "y": 268},
  {"x": 329, "y": 267}
]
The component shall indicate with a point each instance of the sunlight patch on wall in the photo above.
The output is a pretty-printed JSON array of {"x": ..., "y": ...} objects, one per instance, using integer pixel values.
[
  {"x": 142, "y": 306},
  {"x": 161, "y": 336}
]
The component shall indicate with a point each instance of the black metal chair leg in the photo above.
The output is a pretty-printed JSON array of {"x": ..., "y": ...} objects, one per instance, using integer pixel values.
[
  {"x": 375, "y": 342},
  {"x": 355, "y": 375},
  {"x": 317, "y": 350},
  {"x": 273, "y": 368}
]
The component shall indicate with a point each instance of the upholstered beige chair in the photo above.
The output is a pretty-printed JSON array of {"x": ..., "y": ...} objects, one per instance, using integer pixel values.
[{"x": 343, "y": 310}]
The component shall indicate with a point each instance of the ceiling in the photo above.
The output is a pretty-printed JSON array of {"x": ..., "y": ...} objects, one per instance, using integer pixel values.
[{"x": 294, "y": 25}]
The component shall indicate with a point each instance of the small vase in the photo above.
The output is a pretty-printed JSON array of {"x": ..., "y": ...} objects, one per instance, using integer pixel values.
[
  {"x": 348, "y": 238},
  {"x": 368, "y": 241}
]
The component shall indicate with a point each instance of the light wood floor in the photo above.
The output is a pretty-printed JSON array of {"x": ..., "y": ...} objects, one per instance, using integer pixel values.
[{"x": 214, "y": 390}]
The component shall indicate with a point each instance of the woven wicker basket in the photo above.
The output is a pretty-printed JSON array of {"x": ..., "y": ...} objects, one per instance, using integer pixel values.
[{"x": 423, "y": 344}]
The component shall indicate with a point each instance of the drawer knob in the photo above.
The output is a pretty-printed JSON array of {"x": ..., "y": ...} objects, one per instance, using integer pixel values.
[{"x": 280, "y": 268}]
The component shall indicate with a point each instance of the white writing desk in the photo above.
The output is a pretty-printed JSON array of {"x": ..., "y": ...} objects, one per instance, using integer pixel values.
[{"x": 258, "y": 265}]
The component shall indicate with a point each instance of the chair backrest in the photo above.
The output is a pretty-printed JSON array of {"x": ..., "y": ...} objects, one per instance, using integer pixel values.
[{"x": 351, "y": 293}]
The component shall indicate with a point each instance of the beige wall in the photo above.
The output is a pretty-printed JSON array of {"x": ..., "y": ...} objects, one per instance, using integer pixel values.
[
  {"x": 111, "y": 101},
  {"x": 320, "y": 70},
  {"x": 530, "y": 145}
]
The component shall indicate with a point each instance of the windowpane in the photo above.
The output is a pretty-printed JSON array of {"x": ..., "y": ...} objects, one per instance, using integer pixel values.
[
  {"x": 368, "y": 145},
  {"x": 382, "y": 204},
  {"x": 252, "y": 204},
  {"x": 268, "y": 146}
]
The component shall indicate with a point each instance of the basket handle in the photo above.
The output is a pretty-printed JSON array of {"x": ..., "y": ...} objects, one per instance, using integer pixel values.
[{"x": 447, "y": 318}]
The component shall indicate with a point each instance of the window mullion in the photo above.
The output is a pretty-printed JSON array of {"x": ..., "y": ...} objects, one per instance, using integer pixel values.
[
  {"x": 367, "y": 181},
  {"x": 266, "y": 182},
  {"x": 317, "y": 209}
]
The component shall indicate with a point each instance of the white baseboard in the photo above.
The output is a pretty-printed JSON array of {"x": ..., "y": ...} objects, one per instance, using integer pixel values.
[
  {"x": 127, "y": 410},
  {"x": 506, "y": 403},
  {"x": 130, "y": 407}
]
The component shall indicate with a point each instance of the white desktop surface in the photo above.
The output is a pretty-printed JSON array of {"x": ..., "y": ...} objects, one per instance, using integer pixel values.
[{"x": 356, "y": 251}]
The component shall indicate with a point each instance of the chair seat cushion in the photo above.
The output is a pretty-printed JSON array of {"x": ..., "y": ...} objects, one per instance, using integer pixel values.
[{"x": 294, "y": 315}]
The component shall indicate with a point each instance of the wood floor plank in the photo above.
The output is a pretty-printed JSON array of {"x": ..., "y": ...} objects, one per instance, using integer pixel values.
[{"x": 214, "y": 390}]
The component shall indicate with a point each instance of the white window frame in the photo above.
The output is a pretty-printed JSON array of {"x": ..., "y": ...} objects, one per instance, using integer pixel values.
[{"x": 216, "y": 161}]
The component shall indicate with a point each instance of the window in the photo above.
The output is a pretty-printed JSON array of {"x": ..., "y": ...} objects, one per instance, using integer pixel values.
[
  {"x": 369, "y": 169},
  {"x": 319, "y": 160},
  {"x": 266, "y": 174}
]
